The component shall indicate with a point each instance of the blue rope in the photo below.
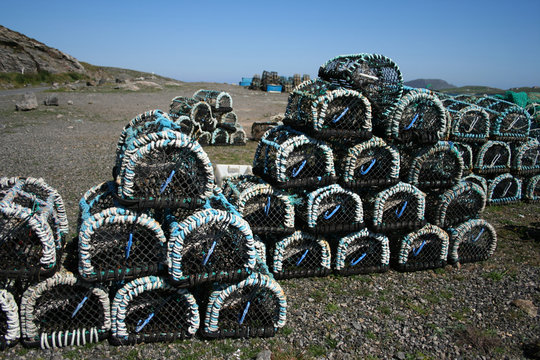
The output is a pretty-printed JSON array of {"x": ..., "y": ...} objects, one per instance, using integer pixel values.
[
  {"x": 417, "y": 250},
  {"x": 335, "y": 120},
  {"x": 242, "y": 318},
  {"x": 327, "y": 216},
  {"x": 478, "y": 236},
  {"x": 354, "y": 262},
  {"x": 146, "y": 321},
  {"x": 166, "y": 183},
  {"x": 302, "y": 258},
  {"x": 412, "y": 122},
  {"x": 364, "y": 172},
  {"x": 402, "y": 210},
  {"x": 297, "y": 171},
  {"x": 209, "y": 253},
  {"x": 79, "y": 306},
  {"x": 128, "y": 247},
  {"x": 267, "y": 206}
]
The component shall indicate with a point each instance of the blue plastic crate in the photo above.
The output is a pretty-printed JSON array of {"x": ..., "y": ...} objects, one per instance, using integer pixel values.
[
  {"x": 244, "y": 83},
  {"x": 248, "y": 80},
  {"x": 274, "y": 88}
]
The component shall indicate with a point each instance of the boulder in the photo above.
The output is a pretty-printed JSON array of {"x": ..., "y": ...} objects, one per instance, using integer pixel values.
[
  {"x": 28, "y": 102},
  {"x": 51, "y": 100},
  {"x": 527, "y": 306}
]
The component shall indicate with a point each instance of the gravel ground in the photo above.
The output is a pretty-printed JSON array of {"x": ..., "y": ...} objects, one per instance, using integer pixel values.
[{"x": 465, "y": 312}]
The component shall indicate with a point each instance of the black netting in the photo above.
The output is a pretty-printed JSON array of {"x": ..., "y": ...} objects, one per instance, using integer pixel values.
[
  {"x": 526, "y": 158},
  {"x": 492, "y": 158},
  {"x": 220, "y": 136},
  {"x": 267, "y": 213},
  {"x": 466, "y": 154},
  {"x": 425, "y": 249},
  {"x": 504, "y": 189},
  {"x": 463, "y": 202},
  {"x": 472, "y": 241},
  {"x": 362, "y": 253},
  {"x": 532, "y": 189}
]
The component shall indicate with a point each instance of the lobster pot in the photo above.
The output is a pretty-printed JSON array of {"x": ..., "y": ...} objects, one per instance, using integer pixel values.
[
  {"x": 188, "y": 126},
  {"x": 464, "y": 201},
  {"x": 526, "y": 158},
  {"x": 466, "y": 152},
  {"x": 288, "y": 159},
  {"x": 255, "y": 82},
  {"x": 220, "y": 136},
  {"x": 532, "y": 189},
  {"x": 297, "y": 80},
  {"x": 10, "y": 330},
  {"x": 166, "y": 169},
  {"x": 478, "y": 180},
  {"x": 254, "y": 307},
  {"x": 64, "y": 311},
  {"x": 419, "y": 117},
  {"x": 508, "y": 120},
  {"x": 267, "y": 210},
  {"x": 437, "y": 166},
  {"x": 28, "y": 248},
  {"x": 95, "y": 200},
  {"x": 149, "y": 309},
  {"x": 118, "y": 244},
  {"x": 238, "y": 137},
  {"x": 535, "y": 134},
  {"x": 375, "y": 76},
  {"x": 504, "y": 189},
  {"x": 204, "y": 138},
  {"x": 401, "y": 206},
  {"x": 362, "y": 252},
  {"x": 137, "y": 122},
  {"x": 29, "y": 190},
  {"x": 210, "y": 245},
  {"x": 426, "y": 248},
  {"x": 228, "y": 120},
  {"x": 325, "y": 111},
  {"x": 472, "y": 241},
  {"x": 199, "y": 112},
  {"x": 371, "y": 163},
  {"x": 301, "y": 255},
  {"x": 220, "y": 101},
  {"x": 492, "y": 158},
  {"x": 331, "y": 209},
  {"x": 469, "y": 123}
]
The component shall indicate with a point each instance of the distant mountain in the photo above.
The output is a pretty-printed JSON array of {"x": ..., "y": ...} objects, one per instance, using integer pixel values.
[
  {"x": 433, "y": 84},
  {"x": 23, "y": 55}
]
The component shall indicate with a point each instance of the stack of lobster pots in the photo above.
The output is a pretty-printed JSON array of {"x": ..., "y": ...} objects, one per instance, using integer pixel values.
[
  {"x": 344, "y": 184},
  {"x": 160, "y": 255},
  {"x": 208, "y": 116}
]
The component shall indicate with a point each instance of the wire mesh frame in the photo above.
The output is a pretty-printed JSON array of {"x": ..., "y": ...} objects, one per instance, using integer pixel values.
[
  {"x": 508, "y": 120},
  {"x": 138, "y": 120},
  {"x": 472, "y": 241},
  {"x": 255, "y": 307},
  {"x": 469, "y": 123},
  {"x": 188, "y": 126},
  {"x": 210, "y": 245},
  {"x": 267, "y": 210},
  {"x": 423, "y": 249},
  {"x": 220, "y": 101},
  {"x": 27, "y": 245},
  {"x": 331, "y": 209},
  {"x": 532, "y": 189},
  {"x": 436, "y": 166},
  {"x": 301, "y": 255},
  {"x": 504, "y": 189},
  {"x": 419, "y": 117},
  {"x": 464, "y": 201},
  {"x": 45, "y": 192},
  {"x": 166, "y": 167},
  {"x": 229, "y": 119},
  {"x": 494, "y": 157},
  {"x": 478, "y": 180},
  {"x": 323, "y": 111},
  {"x": 64, "y": 311},
  {"x": 220, "y": 136},
  {"x": 288, "y": 159},
  {"x": 149, "y": 309},
  {"x": 526, "y": 158},
  {"x": 199, "y": 112},
  {"x": 375, "y": 76},
  {"x": 117, "y": 244},
  {"x": 371, "y": 163},
  {"x": 362, "y": 252},
  {"x": 238, "y": 137},
  {"x": 466, "y": 152},
  {"x": 401, "y": 206},
  {"x": 10, "y": 329}
]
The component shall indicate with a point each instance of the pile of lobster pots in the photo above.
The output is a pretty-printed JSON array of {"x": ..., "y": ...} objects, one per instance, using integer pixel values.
[
  {"x": 160, "y": 255},
  {"x": 209, "y": 117},
  {"x": 343, "y": 186}
]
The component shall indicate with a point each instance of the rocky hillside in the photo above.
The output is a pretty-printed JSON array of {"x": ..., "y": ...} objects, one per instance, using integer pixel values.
[
  {"x": 21, "y": 54},
  {"x": 433, "y": 84}
]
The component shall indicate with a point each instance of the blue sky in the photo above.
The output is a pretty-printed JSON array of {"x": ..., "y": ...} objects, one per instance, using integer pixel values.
[{"x": 493, "y": 43}]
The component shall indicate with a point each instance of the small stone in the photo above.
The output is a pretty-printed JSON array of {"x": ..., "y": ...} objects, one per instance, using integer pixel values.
[
  {"x": 400, "y": 355},
  {"x": 70, "y": 102},
  {"x": 527, "y": 306},
  {"x": 51, "y": 100},
  {"x": 264, "y": 355},
  {"x": 29, "y": 102},
  {"x": 357, "y": 325}
]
